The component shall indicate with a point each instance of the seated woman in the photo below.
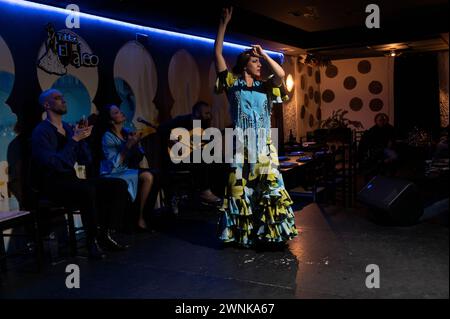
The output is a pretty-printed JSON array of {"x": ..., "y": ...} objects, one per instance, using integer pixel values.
[{"x": 122, "y": 154}]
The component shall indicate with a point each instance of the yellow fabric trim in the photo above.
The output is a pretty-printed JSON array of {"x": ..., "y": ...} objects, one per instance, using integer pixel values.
[
  {"x": 231, "y": 78},
  {"x": 229, "y": 81},
  {"x": 276, "y": 92}
]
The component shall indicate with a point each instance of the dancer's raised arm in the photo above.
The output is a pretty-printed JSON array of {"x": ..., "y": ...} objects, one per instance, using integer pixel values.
[{"x": 218, "y": 44}]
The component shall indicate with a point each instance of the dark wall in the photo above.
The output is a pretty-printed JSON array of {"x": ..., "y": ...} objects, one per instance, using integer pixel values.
[
  {"x": 416, "y": 84},
  {"x": 24, "y": 31}
]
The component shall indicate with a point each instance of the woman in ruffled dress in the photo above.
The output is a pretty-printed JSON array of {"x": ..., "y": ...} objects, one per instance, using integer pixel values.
[{"x": 257, "y": 207}]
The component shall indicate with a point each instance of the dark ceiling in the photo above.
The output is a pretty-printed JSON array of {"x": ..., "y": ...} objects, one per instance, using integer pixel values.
[{"x": 332, "y": 28}]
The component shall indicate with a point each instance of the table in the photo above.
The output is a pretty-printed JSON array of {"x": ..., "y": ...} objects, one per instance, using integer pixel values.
[{"x": 296, "y": 174}]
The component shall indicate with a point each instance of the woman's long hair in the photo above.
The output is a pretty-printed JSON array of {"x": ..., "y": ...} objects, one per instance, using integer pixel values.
[
  {"x": 104, "y": 119},
  {"x": 242, "y": 61},
  {"x": 100, "y": 127}
]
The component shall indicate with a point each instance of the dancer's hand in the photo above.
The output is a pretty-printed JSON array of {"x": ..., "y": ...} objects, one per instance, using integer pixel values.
[
  {"x": 226, "y": 15},
  {"x": 258, "y": 51}
]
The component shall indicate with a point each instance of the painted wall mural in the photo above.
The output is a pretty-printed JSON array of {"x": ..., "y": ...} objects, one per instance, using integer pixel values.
[
  {"x": 102, "y": 62},
  {"x": 64, "y": 48},
  {"x": 128, "y": 104},
  {"x": 136, "y": 82},
  {"x": 78, "y": 82},
  {"x": 77, "y": 98},
  {"x": 7, "y": 118}
]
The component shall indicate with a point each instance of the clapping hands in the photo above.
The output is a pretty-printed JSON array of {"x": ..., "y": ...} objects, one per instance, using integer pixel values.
[
  {"x": 81, "y": 132},
  {"x": 133, "y": 139}
]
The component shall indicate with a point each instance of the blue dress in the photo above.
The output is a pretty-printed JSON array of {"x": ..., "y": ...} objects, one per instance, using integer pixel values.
[
  {"x": 256, "y": 207},
  {"x": 112, "y": 166}
]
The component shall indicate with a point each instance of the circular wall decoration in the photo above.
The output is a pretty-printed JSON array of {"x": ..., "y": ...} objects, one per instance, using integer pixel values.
[
  {"x": 303, "y": 82},
  {"x": 375, "y": 87},
  {"x": 350, "y": 83},
  {"x": 311, "y": 120},
  {"x": 328, "y": 96},
  {"x": 364, "y": 67},
  {"x": 319, "y": 114},
  {"x": 184, "y": 82},
  {"x": 318, "y": 77},
  {"x": 317, "y": 97},
  {"x": 311, "y": 93},
  {"x": 376, "y": 105},
  {"x": 302, "y": 112},
  {"x": 128, "y": 104},
  {"x": 306, "y": 99},
  {"x": 136, "y": 82},
  {"x": 331, "y": 71},
  {"x": 50, "y": 68},
  {"x": 310, "y": 71},
  {"x": 7, "y": 117},
  {"x": 76, "y": 95},
  {"x": 356, "y": 104}
]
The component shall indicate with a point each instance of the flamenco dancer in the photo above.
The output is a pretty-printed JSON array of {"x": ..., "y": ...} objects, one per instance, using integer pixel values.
[{"x": 256, "y": 208}]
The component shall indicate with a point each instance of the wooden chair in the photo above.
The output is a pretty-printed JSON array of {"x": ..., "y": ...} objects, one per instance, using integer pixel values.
[
  {"x": 313, "y": 180},
  {"x": 338, "y": 179},
  {"x": 45, "y": 210}
]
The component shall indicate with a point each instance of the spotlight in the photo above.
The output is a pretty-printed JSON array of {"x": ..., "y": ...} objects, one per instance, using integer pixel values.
[{"x": 392, "y": 53}]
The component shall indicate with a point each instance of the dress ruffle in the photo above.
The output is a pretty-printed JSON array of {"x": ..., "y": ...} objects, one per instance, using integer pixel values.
[
  {"x": 260, "y": 213},
  {"x": 236, "y": 221}
]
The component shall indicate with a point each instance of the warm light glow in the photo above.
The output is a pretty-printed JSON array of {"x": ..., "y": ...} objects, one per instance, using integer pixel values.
[
  {"x": 393, "y": 53},
  {"x": 289, "y": 83}
]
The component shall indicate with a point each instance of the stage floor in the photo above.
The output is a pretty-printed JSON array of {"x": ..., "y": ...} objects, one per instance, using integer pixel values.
[{"x": 184, "y": 260}]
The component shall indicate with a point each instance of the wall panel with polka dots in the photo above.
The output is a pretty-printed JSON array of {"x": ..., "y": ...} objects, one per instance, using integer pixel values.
[
  {"x": 310, "y": 99},
  {"x": 363, "y": 87},
  {"x": 290, "y": 111}
]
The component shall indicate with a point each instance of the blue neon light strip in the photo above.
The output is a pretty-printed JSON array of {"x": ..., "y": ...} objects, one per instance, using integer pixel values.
[{"x": 38, "y": 6}]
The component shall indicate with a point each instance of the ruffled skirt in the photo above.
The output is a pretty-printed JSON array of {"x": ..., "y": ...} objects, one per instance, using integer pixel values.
[{"x": 256, "y": 207}]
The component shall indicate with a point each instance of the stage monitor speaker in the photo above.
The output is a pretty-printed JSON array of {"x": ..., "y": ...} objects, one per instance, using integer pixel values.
[{"x": 392, "y": 200}]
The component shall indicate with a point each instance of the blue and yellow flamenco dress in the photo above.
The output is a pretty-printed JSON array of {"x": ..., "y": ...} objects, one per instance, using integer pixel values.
[{"x": 256, "y": 207}]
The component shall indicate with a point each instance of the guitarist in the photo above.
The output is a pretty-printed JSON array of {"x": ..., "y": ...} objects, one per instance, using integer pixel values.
[{"x": 201, "y": 172}]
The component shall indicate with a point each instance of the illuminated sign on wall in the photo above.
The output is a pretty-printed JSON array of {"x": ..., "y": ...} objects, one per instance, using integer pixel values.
[{"x": 64, "y": 48}]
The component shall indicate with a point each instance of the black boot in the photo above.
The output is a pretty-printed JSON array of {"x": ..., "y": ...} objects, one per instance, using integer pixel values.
[
  {"x": 108, "y": 243},
  {"x": 94, "y": 251}
]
